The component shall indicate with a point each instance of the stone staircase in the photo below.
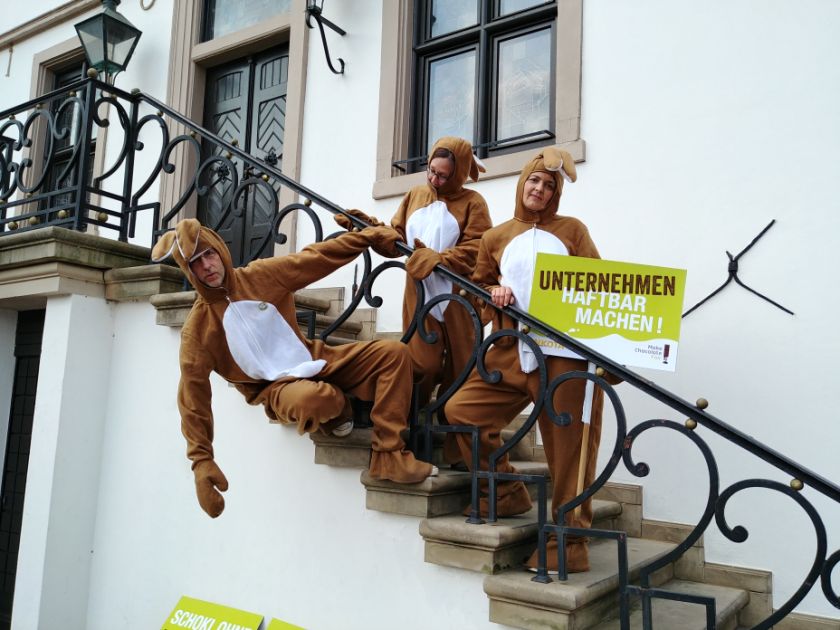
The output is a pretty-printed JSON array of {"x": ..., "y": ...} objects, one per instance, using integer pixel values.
[
  {"x": 589, "y": 600},
  {"x": 743, "y": 597}
]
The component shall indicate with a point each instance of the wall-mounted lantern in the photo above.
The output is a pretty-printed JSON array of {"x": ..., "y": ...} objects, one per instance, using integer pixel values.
[{"x": 109, "y": 40}]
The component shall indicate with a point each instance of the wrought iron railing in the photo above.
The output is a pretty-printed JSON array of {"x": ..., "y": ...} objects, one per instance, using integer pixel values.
[{"x": 46, "y": 178}]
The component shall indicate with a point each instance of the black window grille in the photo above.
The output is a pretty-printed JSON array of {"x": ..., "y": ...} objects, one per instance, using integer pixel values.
[{"x": 483, "y": 70}]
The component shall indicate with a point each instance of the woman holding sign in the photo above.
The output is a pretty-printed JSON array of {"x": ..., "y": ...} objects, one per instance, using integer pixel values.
[{"x": 505, "y": 267}]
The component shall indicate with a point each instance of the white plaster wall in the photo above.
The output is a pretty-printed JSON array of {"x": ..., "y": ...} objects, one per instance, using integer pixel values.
[
  {"x": 295, "y": 540},
  {"x": 702, "y": 125},
  {"x": 18, "y": 12},
  {"x": 64, "y": 464}
]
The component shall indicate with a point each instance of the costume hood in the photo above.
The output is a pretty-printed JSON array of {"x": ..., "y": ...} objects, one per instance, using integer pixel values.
[
  {"x": 188, "y": 239},
  {"x": 556, "y": 162},
  {"x": 466, "y": 164}
]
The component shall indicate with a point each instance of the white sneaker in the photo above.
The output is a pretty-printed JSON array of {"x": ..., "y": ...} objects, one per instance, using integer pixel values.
[
  {"x": 344, "y": 429},
  {"x": 434, "y": 472}
]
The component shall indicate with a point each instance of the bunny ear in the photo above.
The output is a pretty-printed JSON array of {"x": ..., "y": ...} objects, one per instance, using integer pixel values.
[
  {"x": 567, "y": 168},
  {"x": 557, "y": 160},
  {"x": 476, "y": 167},
  {"x": 164, "y": 247},
  {"x": 188, "y": 231}
]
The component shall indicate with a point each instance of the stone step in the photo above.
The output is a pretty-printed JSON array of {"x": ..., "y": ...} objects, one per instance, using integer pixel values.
[
  {"x": 328, "y": 451},
  {"x": 685, "y": 616},
  {"x": 447, "y": 493},
  {"x": 527, "y": 448},
  {"x": 173, "y": 308},
  {"x": 494, "y": 547},
  {"x": 349, "y": 330},
  {"x": 352, "y": 451},
  {"x": 582, "y": 601}
]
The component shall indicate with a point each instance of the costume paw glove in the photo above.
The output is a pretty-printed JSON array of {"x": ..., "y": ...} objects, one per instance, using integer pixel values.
[
  {"x": 423, "y": 261},
  {"x": 345, "y": 223},
  {"x": 209, "y": 481},
  {"x": 383, "y": 240}
]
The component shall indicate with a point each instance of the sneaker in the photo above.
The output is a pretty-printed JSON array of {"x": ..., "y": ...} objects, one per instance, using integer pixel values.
[{"x": 344, "y": 429}]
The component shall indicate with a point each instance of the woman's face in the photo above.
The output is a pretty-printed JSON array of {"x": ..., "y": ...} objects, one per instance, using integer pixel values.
[
  {"x": 538, "y": 191},
  {"x": 439, "y": 171}
]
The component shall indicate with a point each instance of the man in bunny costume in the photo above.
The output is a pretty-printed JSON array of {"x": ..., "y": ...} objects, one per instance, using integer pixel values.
[{"x": 243, "y": 326}]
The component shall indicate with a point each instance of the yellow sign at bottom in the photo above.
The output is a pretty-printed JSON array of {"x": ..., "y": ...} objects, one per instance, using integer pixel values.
[{"x": 195, "y": 614}]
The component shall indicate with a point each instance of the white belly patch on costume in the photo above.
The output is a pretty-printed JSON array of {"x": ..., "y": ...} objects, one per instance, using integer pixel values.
[
  {"x": 438, "y": 229},
  {"x": 264, "y": 345},
  {"x": 517, "y": 266}
]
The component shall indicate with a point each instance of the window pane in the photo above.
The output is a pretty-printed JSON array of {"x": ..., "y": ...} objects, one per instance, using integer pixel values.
[
  {"x": 226, "y": 16},
  {"x": 524, "y": 86},
  {"x": 512, "y": 6},
  {"x": 452, "y": 15},
  {"x": 451, "y": 97}
]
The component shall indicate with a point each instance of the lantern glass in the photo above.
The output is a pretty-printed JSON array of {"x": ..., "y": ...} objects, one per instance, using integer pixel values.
[{"x": 108, "y": 39}]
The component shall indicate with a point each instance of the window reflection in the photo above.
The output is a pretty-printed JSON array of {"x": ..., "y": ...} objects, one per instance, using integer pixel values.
[
  {"x": 452, "y": 97},
  {"x": 451, "y": 15},
  {"x": 524, "y": 84},
  {"x": 512, "y": 6},
  {"x": 226, "y": 16}
]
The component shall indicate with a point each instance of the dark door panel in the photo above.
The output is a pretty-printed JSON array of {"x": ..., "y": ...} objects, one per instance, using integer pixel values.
[
  {"x": 30, "y": 329},
  {"x": 245, "y": 101}
]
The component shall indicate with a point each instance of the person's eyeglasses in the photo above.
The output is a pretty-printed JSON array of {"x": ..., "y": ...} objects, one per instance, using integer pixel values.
[
  {"x": 206, "y": 254},
  {"x": 434, "y": 174}
]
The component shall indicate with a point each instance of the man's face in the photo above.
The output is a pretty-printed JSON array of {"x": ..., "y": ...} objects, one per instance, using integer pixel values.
[{"x": 208, "y": 268}]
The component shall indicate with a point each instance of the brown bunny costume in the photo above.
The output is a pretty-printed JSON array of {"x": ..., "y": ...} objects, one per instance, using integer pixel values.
[
  {"x": 506, "y": 257},
  {"x": 246, "y": 331},
  {"x": 447, "y": 224}
]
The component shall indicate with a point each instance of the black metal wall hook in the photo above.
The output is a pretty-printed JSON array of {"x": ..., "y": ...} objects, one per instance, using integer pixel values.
[
  {"x": 733, "y": 275},
  {"x": 315, "y": 9}
]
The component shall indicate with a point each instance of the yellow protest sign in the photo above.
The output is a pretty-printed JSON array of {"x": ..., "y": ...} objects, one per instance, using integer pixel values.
[
  {"x": 196, "y": 614},
  {"x": 626, "y": 311}
]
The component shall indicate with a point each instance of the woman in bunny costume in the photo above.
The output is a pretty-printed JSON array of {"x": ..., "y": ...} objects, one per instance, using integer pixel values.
[
  {"x": 505, "y": 267},
  {"x": 444, "y": 222}
]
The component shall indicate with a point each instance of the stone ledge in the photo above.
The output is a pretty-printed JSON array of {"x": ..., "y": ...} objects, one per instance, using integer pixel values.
[
  {"x": 131, "y": 284},
  {"x": 668, "y": 532},
  {"x": 29, "y": 286},
  {"x": 352, "y": 451},
  {"x": 801, "y": 621},
  {"x": 447, "y": 493},
  {"x": 685, "y": 616},
  {"x": 739, "y": 577},
  {"x": 173, "y": 308},
  {"x": 61, "y": 244},
  {"x": 580, "y": 602},
  {"x": 492, "y": 547},
  {"x": 50, "y": 261}
]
